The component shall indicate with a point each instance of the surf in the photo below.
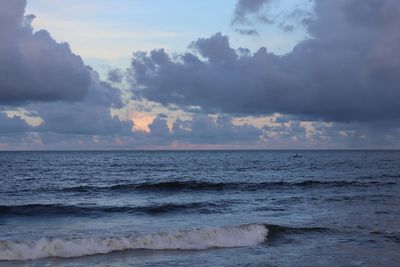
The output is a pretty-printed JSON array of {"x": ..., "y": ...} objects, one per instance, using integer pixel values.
[{"x": 198, "y": 239}]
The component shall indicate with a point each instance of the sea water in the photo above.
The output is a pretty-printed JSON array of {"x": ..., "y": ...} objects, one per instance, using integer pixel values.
[{"x": 200, "y": 208}]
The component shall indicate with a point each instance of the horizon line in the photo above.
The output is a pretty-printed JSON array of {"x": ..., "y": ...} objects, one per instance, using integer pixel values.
[{"x": 205, "y": 150}]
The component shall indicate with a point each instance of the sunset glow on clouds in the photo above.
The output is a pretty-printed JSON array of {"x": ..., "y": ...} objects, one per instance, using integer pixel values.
[
  {"x": 142, "y": 121},
  {"x": 175, "y": 83}
]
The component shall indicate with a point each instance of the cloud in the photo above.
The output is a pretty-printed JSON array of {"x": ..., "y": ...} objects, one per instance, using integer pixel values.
[
  {"x": 247, "y": 31},
  {"x": 90, "y": 116},
  {"x": 70, "y": 102},
  {"x": 348, "y": 71},
  {"x": 85, "y": 124},
  {"x": 34, "y": 67},
  {"x": 12, "y": 124},
  {"x": 115, "y": 76},
  {"x": 250, "y": 13},
  {"x": 244, "y": 9},
  {"x": 338, "y": 89},
  {"x": 379, "y": 134},
  {"x": 202, "y": 129}
]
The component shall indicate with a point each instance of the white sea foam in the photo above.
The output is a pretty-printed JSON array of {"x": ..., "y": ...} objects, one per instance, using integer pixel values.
[{"x": 224, "y": 237}]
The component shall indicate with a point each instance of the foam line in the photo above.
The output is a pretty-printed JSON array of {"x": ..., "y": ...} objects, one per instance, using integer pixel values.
[{"x": 200, "y": 239}]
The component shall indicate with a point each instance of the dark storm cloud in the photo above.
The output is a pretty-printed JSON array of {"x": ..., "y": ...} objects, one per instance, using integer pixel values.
[
  {"x": 349, "y": 70},
  {"x": 33, "y": 67}
]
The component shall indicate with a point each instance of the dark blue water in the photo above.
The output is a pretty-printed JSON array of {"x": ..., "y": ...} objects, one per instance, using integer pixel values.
[{"x": 207, "y": 208}]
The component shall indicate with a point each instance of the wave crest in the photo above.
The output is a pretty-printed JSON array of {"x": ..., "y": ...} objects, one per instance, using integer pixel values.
[
  {"x": 72, "y": 210},
  {"x": 200, "y": 239},
  {"x": 219, "y": 186}
]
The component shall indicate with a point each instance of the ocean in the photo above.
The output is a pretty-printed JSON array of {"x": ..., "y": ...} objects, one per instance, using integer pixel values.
[{"x": 200, "y": 208}]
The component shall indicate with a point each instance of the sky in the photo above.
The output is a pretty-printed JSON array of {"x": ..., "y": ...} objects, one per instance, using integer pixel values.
[
  {"x": 108, "y": 33},
  {"x": 176, "y": 74}
]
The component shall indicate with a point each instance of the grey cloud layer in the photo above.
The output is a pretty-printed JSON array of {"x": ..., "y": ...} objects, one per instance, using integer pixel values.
[
  {"x": 90, "y": 116},
  {"x": 349, "y": 70},
  {"x": 47, "y": 80},
  {"x": 201, "y": 129},
  {"x": 33, "y": 66},
  {"x": 44, "y": 78}
]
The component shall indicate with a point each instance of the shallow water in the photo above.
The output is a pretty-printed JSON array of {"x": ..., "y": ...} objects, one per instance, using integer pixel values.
[{"x": 207, "y": 208}]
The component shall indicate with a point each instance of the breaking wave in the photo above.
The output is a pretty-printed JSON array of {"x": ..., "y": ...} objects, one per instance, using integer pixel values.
[{"x": 200, "y": 239}]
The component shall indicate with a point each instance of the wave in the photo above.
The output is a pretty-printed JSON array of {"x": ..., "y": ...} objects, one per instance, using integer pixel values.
[
  {"x": 391, "y": 236},
  {"x": 279, "y": 229},
  {"x": 212, "y": 186},
  {"x": 200, "y": 239},
  {"x": 168, "y": 186},
  {"x": 73, "y": 210}
]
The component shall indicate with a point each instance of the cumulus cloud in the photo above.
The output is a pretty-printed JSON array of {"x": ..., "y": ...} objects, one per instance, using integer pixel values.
[
  {"x": 85, "y": 124},
  {"x": 338, "y": 89},
  {"x": 201, "y": 129},
  {"x": 48, "y": 81},
  {"x": 34, "y": 67},
  {"x": 347, "y": 71},
  {"x": 90, "y": 116}
]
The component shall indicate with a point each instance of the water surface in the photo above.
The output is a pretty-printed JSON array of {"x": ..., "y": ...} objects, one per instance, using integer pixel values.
[{"x": 203, "y": 208}]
